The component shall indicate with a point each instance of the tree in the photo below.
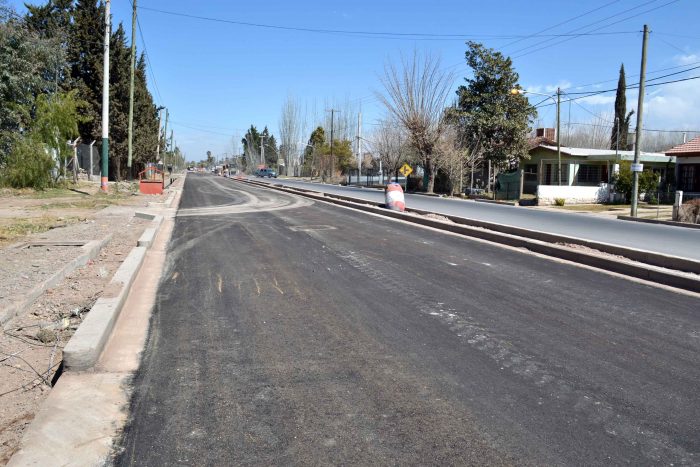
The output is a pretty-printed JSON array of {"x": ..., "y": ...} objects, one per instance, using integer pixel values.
[
  {"x": 488, "y": 112},
  {"x": 270, "y": 144},
  {"x": 620, "y": 130},
  {"x": 26, "y": 61},
  {"x": 119, "y": 83},
  {"x": 85, "y": 54},
  {"x": 415, "y": 97},
  {"x": 389, "y": 142},
  {"x": 290, "y": 132},
  {"x": 56, "y": 121},
  {"x": 622, "y": 180},
  {"x": 312, "y": 152},
  {"x": 145, "y": 120},
  {"x": 251, "y": 147}
]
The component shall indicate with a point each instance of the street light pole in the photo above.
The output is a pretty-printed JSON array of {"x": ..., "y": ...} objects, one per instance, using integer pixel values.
[{"x": 105, "y": 102}]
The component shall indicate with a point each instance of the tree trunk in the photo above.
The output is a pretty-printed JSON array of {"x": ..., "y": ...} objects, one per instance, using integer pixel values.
[{"x": 430, "y": 174}]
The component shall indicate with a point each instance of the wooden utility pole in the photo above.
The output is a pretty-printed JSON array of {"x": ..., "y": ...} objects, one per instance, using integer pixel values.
[
  {"x": 638, "y": 132},
  {"x": 559, "y": 136},
  {"x": 131, "y": 87}
]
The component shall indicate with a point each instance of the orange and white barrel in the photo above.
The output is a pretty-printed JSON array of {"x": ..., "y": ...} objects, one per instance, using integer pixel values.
[{"x": 393, "y": 197}]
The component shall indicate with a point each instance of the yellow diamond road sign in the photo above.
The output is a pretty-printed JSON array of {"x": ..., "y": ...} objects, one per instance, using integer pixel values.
[{"x": 406, "y": 170}]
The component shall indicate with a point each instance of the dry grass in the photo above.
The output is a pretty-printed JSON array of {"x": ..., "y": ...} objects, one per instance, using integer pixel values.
[{"x": 12, "y": 229}]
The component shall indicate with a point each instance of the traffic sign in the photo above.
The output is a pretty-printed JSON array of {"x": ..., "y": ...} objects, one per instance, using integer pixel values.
[
  {"x": 637, "y": 167},
  {"x": 406, "y": 170}
]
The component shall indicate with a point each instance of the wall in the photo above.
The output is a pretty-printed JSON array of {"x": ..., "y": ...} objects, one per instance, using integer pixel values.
[{"x": 573, "y": 194}]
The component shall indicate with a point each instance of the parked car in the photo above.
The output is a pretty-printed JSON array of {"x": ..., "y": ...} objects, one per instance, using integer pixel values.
[{"x": 266, "y": 172}]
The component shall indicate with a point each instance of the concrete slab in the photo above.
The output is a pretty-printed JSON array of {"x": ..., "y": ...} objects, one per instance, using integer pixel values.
[{"x": 76, "y": 424}]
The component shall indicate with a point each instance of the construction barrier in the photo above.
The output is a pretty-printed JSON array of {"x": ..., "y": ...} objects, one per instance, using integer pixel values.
[{"x": 393, "y": 197}]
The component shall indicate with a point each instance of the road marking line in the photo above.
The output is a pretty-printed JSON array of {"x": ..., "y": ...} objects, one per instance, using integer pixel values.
[
  {"x": 257, "y": 286},
  {"x": 220, "y": 282}
]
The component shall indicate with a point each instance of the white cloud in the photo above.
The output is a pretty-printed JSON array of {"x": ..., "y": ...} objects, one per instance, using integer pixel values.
[
  {"x": 674, "y": 106},
  {"x": 548, "y": 88},
  {"x": 598, "y": 99},
  {"x": 686, "y": 59}
]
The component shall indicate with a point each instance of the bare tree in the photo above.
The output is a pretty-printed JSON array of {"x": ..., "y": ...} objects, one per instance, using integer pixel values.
[
  {"x": 290, "y": 126},
  {"x": 390, "y": 143},
  {"x": 415, "y": 96}
]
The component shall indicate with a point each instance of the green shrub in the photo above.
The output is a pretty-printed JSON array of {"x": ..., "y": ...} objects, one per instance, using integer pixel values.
[
  {"x": 559, "y": 201},
  {"x": 28, "y": 165}
]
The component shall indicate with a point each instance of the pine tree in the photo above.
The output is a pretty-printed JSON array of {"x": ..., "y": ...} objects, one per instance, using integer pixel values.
[
  {"x": 85, "y": 54},
  {"x": 119, "y": 82},
  {"x": 620, "y": 131},
  {"x": 145, "y": 120}
]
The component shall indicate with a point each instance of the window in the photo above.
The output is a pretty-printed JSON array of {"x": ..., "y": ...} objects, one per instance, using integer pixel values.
[
  {"x": 687, "y": 177},
  {"x": 531, "y": 168},
  {"x": 590, "y": 174}
]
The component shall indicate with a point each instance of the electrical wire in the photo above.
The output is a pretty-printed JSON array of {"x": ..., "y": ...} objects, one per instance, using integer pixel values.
[
  {"x": 559, "y": 24},
  {"x": 597, "y": 29},
  {"x": 368, "y": 34}
]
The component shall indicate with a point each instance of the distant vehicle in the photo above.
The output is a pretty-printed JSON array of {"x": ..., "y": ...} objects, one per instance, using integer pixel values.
[{"x": 266, "y": 172}]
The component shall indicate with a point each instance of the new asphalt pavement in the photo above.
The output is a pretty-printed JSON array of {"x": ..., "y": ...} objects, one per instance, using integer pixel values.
[
  {"x": 670, "y": 240},
  {"x": 288, "y": 332}
]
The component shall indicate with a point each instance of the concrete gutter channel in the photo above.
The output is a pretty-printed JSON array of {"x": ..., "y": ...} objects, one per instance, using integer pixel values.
[
  {"x": 80, "y": 355},
  {"x": 667, "y": 270}
]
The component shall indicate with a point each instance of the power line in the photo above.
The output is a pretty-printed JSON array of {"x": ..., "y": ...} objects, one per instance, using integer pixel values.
[
  {"x": 631, "y": 76},
  {"x": 628, "y": 87},
  {"x": 559, "y": 24},
  {"x": 148, "y": 60},
  {"x": 597, "y": 29},
  {"x": 370, "y": 34}
]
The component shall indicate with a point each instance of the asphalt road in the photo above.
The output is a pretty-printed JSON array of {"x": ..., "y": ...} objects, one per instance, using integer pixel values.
[
  {"x": 676, "y": 241},
  {"x": 292, "y": 333}
]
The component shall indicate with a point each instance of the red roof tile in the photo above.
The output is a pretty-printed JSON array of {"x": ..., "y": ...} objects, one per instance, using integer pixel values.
[{"x": 691, "y": 146}]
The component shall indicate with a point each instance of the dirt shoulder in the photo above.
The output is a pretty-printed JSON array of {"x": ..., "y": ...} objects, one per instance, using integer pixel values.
[{"x": 35, "y": 229}]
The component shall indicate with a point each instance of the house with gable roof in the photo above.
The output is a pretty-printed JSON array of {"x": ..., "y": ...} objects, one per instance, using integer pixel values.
[{"x": 687, "y": 166}]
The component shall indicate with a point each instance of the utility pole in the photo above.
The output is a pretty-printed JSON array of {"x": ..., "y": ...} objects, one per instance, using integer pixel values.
[
  {"x": 131, "y": 87},
  {"x": 638, "y": 133},
  {"x": 332, "y": 111},
  {"x": 359, "y": 146},
  {"x": 105, "y": 103},
  {"x": 160, "y": 123},
  {"x": 165, "y": 135},
  {"x": 559, "y": 135}
]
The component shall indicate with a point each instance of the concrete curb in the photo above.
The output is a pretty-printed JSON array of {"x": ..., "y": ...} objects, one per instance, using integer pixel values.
[
  {"x": 493, "y": 201},
  {"x": 656, "y": 221},
  {"x": 86, "y": 345},
  {"x": 642, "y": 256},
  {"x": 90, "y": 250},
  {"x": 637, "y": 270},
  {"x": 146, "y": 239},
  {"x": 84, "y": 348}
]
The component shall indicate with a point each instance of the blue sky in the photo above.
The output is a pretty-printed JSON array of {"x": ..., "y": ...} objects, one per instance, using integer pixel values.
[{"x": 218, "y": 78}]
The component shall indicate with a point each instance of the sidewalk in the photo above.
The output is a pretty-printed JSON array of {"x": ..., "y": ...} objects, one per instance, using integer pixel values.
[{"x": 67, "y": 269}]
